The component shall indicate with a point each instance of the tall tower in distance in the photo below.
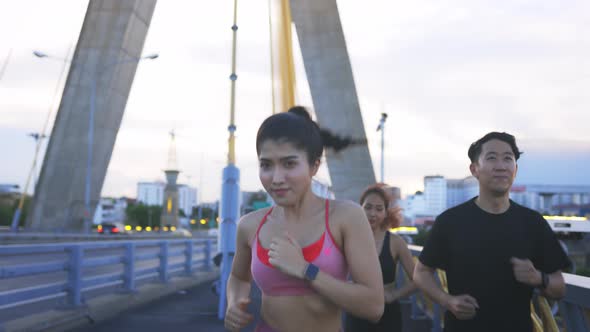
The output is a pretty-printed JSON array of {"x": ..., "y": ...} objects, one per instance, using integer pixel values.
[{"x": 170, "y": 205}]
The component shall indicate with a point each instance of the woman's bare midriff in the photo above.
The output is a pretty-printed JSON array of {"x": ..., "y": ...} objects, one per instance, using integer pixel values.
[{"x": 300, "y": 313}]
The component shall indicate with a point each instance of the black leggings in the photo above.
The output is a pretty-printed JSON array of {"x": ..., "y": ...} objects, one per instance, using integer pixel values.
[{"x": 391, "y": 321}]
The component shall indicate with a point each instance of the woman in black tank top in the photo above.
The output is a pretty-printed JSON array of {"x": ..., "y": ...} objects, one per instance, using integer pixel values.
[{"x": 391, "y": 248}]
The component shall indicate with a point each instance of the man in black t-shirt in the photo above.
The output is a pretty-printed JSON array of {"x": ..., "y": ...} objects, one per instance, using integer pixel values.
[{"x": 494, "y": 251}]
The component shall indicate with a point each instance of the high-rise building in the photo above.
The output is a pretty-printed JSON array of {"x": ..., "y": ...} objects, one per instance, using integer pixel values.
[
  {"x": 441, "y": 194},
  {"x": 435, "y": 192},
  {"x": 187, "y": 199},
  {"x": 414, "y": 205},
  {"x": 549, "y": 199},
  {"x": 152, "y": 193},
  {"x": 461, "y": 190}
]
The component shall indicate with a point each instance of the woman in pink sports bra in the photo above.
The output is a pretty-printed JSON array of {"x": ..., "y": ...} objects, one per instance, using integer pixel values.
[{"x": 301, "y": 251}]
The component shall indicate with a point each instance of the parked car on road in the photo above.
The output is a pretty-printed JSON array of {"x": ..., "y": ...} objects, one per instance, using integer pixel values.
[{"x": 112, "y": 228}]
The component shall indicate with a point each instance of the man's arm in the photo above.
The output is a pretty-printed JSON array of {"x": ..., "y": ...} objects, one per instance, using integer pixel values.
[
  {"x": 555, "y": 288},
  {"x": 424, "y": 279},
  {"x": 526, "y": 273},
  {"x": 462, "y": 306}
]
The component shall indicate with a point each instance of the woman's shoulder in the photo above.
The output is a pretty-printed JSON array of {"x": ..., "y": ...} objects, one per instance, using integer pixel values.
[
  {"x": 249, "y": 223},
  {"x": 344, "y": 205},
  {"x": 396, "y": 241},
  {"x": 344, "y": 211}
]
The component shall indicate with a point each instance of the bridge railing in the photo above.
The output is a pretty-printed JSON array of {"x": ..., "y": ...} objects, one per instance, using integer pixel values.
[
  {"x": 572, "y": 312},
  {"x": 70, "y": 271},
  {"x": 32, "y": 237}
]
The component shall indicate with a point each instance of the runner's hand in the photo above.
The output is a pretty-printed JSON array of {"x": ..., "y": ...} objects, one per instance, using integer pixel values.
[
  {"x": 286, "y": 255},
  {"x": 462, "y": 306},
  {"x": 390, "y": 293},
  {"x": 525, "y": 272},
  {"x": 237, "y": 316}
]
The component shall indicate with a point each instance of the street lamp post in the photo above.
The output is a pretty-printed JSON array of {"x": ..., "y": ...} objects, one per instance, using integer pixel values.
[
  {"x": 93, "y": 88},
  {"x": 37, "y": 137},
  {"x": 17, "y": 212},
  {"x": 382, "y": 129},
  {"x": 3, "y": 69},
  {"x": 149, "y": 216},
  {"x": 230, "y": 189}
]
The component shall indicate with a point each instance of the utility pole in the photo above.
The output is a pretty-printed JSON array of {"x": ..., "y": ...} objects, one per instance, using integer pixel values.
[{"x": 381, "y": 128}]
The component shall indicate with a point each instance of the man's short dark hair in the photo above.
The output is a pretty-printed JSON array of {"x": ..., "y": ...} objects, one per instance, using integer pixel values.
[{"x": 475, "y": 148}]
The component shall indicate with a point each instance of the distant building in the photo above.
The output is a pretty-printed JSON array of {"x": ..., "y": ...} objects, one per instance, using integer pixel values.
[
  {"x": 254, "y": 200},
  {"x": 551, "y": 199},
  {"x": 187, "y": 199},
  {"x": 461, "y": 190},
  {"x": 414, "y": 206},
  {"x": 110, "y": 210},
  {"x": 152, "y": 193},
  {"x": 435, "y": 192},
  {"x": 441, "y": 194},
  {"x": 322, "y": 189},
  {"x": 582, "y": 210},
  {"x": 9, "y": 188},
  {"x": 212, "y": 205},
  {"x": 394, "y": 192}
]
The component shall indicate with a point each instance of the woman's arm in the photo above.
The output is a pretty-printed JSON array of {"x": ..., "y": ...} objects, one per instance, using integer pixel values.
[
  {"x": 399, "y": 250},
  {"x": 238, "y": 284},
  {"x": 362, "y": 298}
]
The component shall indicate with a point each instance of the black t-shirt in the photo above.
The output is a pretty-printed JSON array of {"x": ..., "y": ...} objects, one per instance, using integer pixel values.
[{"x": 474, "y": 248}]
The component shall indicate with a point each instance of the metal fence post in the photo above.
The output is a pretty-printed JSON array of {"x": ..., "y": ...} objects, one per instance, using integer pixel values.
[
  {"x": 188, "y": 265},
  {"x": 208, "y": 247},
  {"x": 74, "y": 288},
  {"x": 400, "y": 279},
  {"x": 129, "y": 276},
  {"x": 573, "y": 316},
  {"x": 164, "y": 261},
  {"x": 436, "y": 321},
  {"x": 417, "y": 313},
  {"x": 436, "y": 309}
]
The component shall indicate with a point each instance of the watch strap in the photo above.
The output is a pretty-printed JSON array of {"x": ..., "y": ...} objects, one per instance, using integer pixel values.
[{"x": 544, "y": 280}]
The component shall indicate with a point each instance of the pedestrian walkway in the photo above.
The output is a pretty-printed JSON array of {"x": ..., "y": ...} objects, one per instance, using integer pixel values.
[
  {"x": 191, "y": 310},
  {"x": 195, "y": 310}
]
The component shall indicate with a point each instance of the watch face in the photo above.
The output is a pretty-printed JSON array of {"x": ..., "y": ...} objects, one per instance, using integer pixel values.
[{"x": 311, "y": 272}]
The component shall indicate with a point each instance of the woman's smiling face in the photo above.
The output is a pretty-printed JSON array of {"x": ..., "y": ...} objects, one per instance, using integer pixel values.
[{"x": 284, "y": 171}]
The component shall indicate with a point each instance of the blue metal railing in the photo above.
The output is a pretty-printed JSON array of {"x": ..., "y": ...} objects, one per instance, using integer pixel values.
[
  {"x": 172, "y": 257},
  {"x": 574, "y": 308}
]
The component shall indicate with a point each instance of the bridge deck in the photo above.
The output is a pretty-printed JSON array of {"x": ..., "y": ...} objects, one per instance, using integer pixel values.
[{"x": 196, "y": 310}]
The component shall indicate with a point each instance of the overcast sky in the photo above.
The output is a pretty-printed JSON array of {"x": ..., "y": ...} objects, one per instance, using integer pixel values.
[{"x": 445, "y": 72}]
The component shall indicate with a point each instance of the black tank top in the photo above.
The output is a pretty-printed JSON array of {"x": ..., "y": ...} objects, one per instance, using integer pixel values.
[{"x": 387, "y": 262}]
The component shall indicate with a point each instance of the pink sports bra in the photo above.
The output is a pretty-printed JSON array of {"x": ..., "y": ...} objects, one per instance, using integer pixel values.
[{"x": 323, "y": 253}]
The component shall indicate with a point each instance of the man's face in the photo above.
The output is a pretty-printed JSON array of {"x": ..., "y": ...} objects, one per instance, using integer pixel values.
[{"x": 495, "y": 168}]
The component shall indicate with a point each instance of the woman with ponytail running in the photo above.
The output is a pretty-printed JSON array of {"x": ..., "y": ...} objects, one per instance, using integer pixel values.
[{"x": 301, "y": 251}]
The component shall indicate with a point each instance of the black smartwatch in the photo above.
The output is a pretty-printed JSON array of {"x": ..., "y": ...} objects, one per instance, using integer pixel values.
[
  {"x": 544, "y": 280},
  {"x": 311, "y": 272}
]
